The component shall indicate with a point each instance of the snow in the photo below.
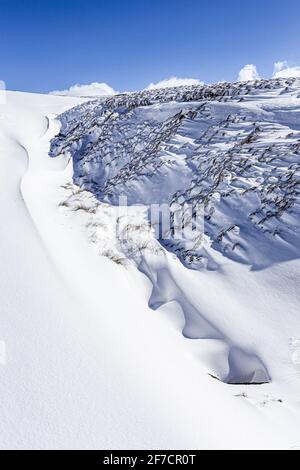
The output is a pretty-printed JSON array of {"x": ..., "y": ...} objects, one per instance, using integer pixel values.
[{"x": 87, "y": 362}]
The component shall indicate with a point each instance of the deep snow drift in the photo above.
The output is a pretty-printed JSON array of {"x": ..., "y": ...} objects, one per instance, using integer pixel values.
[
  {"x": 232, "y": 148},
  {"x": 88, "y": 364}
]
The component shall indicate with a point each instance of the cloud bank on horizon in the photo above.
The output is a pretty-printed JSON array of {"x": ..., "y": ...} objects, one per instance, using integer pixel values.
[
  {"x": 103, "y": 89},
  {"x": 92, "y": 89},
  {"x": 281, "y": 70},
  {"x": 249, "y": 72}
]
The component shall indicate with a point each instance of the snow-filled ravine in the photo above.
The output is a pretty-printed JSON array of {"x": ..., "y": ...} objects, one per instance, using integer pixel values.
[{"x": 143, "y": 342}]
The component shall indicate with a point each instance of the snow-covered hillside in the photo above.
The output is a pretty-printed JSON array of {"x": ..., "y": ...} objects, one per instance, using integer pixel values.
[
  {"x": 88, "y": 364},
  {"x": 231, "y": 148}
]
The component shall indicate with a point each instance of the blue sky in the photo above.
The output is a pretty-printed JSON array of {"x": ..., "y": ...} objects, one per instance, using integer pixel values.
[{"x": 46, "y": 45}]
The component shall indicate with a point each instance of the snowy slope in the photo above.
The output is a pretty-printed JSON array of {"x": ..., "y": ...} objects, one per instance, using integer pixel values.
[
  {"x": 234, "y": 149},
  {"x": 88, "y": 363}
]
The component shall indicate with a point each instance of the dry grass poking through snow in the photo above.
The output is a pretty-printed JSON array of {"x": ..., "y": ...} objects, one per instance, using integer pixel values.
[{"x": 122, "y": 238}]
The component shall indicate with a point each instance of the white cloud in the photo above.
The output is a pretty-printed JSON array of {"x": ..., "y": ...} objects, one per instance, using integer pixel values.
[
  {"x": 283, "y": 70},
  {"x": 93, "y": 89},
  {"x": 278, "y": 66},
  {"x": 248, "y": 72},
  {"x": 174, "y": 81}
]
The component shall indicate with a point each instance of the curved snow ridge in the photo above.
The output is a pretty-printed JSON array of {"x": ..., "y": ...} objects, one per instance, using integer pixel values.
[
  {"x": 127, "y": 240},
  {"x": 230, "y": 364},
  {"x": 38, "y": 164}
]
